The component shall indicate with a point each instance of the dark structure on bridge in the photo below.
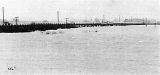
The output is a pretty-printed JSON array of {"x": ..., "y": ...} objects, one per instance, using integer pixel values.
[{"x": 10, "y": 28}]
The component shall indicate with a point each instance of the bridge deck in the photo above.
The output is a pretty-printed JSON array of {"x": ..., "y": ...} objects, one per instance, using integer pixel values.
[{"x": 50, "y": 26}]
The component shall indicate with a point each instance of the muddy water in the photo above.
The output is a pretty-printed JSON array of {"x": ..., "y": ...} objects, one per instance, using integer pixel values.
[{"x": 129, "y": 50}]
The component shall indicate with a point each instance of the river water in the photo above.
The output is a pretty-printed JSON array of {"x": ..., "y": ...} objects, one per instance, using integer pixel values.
[{"x": 114, "y": 50}]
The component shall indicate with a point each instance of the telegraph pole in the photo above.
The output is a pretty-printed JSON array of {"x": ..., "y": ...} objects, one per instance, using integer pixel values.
[
  {"x": 131, "y": 18},
  {"x": 143, "y": 21},
  {"x": 103, "y": 18},
  {"x": 66, "y": 20},
  {"x": 58, "y": 16},
  {"x": 155, "y": 23},
  {"x": 3, "y": 14},
  {"x": 146, "y": 22},
  {"x": 16, "y": 19},
  {"x": 119, "y": 18}
]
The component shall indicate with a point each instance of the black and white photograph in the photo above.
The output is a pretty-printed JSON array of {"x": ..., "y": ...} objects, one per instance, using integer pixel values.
[{"x": 79, "y": 37}]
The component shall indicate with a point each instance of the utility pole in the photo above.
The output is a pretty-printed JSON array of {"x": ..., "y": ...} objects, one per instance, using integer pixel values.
[
  {"x": 58, "y": 16},
  {"x": 103, "y": 18},
  {"x": 119, "y": 18},
  {"x": 3, "y": 14},
  {"x": 146, "y": 22},
  {"x": 143, "y": 21},
  {"x": 131, "y": 18},
  {"x": 66, "y": 20},
  {"x": 155, "y": 23},
  {"x": 16, "y": 19}
]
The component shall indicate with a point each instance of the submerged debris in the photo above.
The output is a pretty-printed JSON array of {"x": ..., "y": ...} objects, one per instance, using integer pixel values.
[
  {"x": 11, "y": 68},
  {"x": 52, "y": 32}
]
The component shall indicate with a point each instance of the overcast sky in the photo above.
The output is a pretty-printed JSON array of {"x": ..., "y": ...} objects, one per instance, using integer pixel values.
[{"x": 80, "y": 9}]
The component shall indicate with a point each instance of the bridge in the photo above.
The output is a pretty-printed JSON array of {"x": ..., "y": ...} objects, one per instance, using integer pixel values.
[{"x": 10, "y": 28}]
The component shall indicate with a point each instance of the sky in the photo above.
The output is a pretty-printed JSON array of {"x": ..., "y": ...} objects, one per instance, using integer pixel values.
[{"x": 39, "y": 10}]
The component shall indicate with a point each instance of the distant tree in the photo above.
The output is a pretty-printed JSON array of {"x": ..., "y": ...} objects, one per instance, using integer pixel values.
[
  {"x": 126, "y": 20},
  {"x": 86, "y": 20},
  {"x": 96, "y": 20},
  {"x": 115, "y": 20},
  {"x": 72, "y": 22},
  {"x": 33, "y": 22},
  {"x": 45, "y": 21}
]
